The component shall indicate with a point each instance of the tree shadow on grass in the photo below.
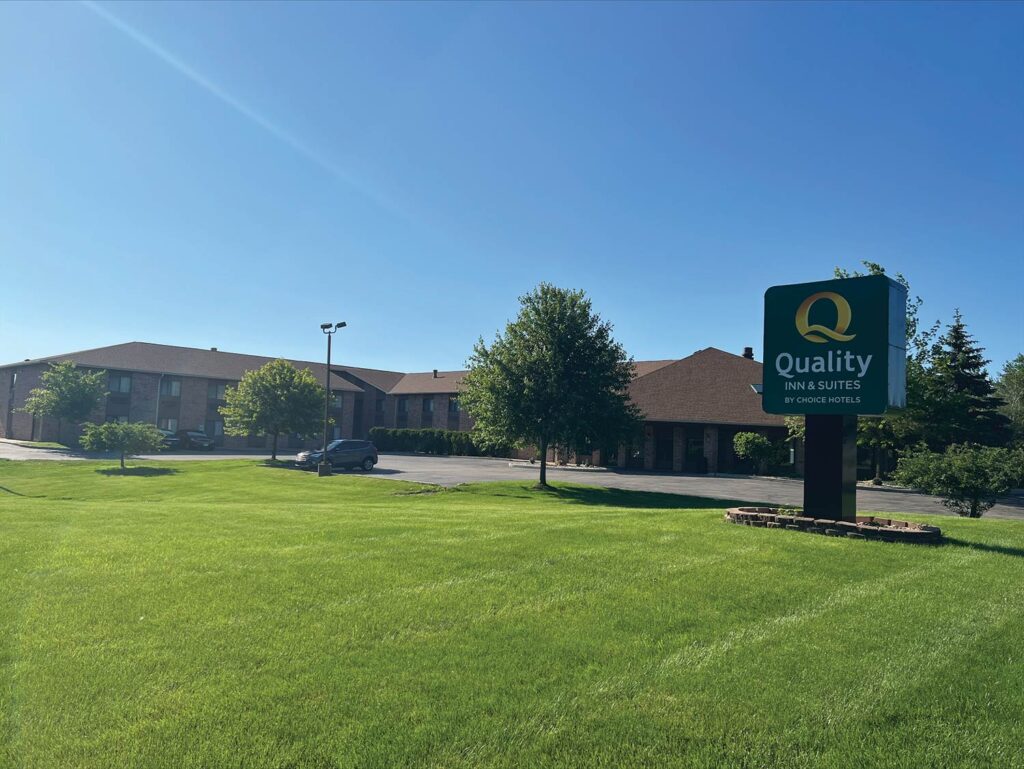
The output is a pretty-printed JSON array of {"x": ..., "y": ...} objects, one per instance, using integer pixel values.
[
  {"x": 1015, "y": 552},
  {"x": 609, "y": 497},
  {"x": 281, "y": 464},
  {"x": 141, "y": 472}
]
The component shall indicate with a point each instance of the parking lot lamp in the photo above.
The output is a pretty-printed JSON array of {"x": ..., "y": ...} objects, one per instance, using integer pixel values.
[{"x": 324, "y": 468}]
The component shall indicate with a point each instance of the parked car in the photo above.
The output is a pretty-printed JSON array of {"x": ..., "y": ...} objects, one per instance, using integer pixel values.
[
  {"x": 341, "y": 453},
  {"x": 195, "y": 439},
  {"x": 171, "y": 441}
]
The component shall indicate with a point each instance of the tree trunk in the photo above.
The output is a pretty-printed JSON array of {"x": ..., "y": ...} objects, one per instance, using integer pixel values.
[
  {"x": 273, "y": 450},
  {"x": 122, "y": 460},
  {"x": 543, "y": 462},
  {"x": 877, "y": 455}
]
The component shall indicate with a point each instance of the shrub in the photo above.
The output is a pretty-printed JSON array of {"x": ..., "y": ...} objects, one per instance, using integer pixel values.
[
  {"x": 968, "y": 477},
  {"x": 126, "y": 438},
  {"x": 430, "y": 441},
  {"x": 758, "y": 449},
  {"x": 381, "y": 437}
]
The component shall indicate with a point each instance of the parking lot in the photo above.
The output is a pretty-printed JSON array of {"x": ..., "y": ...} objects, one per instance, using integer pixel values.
[{"x": 451, "y": 471}]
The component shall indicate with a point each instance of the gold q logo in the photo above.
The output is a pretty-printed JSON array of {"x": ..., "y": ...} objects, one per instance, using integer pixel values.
[{"x": 819, "y": 333}]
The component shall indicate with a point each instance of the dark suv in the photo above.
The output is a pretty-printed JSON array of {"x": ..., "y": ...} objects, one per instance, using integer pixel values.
[
  {"x": 170, "y": 441},
  {"x": 341, "y": 453},
  {"x": 195, "y": 439}
]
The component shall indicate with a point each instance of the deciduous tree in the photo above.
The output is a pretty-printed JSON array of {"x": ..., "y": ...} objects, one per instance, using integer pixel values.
[
  {"x": 555, "y": 376},
  {"x": 969, "y": 478},
  {"x": 275, "y": 398},
  {"x": 68, "y": 393},
  {"x": 126, "y": 438}
]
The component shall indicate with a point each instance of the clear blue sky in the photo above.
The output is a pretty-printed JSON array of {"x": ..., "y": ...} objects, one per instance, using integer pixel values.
[{"x": 233, "y": 175}]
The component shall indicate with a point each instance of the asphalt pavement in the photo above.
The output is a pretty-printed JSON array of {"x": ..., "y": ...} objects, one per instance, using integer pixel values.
[{"x": 452, "y": 471}]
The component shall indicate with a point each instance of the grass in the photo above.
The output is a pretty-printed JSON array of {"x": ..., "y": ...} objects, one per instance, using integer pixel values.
[
  {"x": 41, "y": 445},
  {"x": 229, "y": 614}
]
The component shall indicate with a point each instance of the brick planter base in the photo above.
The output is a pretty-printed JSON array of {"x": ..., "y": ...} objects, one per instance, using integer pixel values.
[{"x": 866, "y": 527}]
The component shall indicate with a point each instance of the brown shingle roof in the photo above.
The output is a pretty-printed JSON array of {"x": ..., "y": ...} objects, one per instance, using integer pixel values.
[
  {"x": 427, "y": 384},
  {"x": 710, "y": 387},
  {"x": 382, "y": 380},
  {"x": 184, "y": 361},
  {"x": 449, "y": 381},
  {"x": 645, "y": 367}
]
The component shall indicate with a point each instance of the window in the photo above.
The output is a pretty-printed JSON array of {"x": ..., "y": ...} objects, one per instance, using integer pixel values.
[
  {"x": 120, "y": 383},
  {"x": 215, "y": 391},
  {"x": 122, "y": 418},
  {"x": 337, "y": 399},
  {"x": 170, "y": 387},
  {"x": 169, "y": 423},
  {"x": 453, "y": 406},
  {"x": 214, "y": 428},
  {"x": 428, "y": 405},
  {"x": 380, "y": 405},
  {"x": 403, "y": 405}
]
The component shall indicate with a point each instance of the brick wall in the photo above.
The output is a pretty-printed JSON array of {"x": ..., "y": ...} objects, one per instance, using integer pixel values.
[
  {"x": 21, "y": 423},
  {"x": 347, "y": 414},
  {"x": 439, "y": 420},
  {"x": 6, "y": 403},
  {"x": 415, "y": 412},
  {"x": 465, "y": 420},
  {"x": 369, "y": 404},
  {"x": 193, "y": 403},
  {"x": 144, "y": 396},
  {"x": 387, "y": 419},
  {"x": 648, "y": 447}
]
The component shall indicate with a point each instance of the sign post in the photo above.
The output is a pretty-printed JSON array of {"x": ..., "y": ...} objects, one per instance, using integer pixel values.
[{"x": 832, "y": 350}]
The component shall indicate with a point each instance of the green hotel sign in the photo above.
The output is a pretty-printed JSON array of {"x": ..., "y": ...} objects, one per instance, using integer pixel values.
[{"x": 835, "y": 347}]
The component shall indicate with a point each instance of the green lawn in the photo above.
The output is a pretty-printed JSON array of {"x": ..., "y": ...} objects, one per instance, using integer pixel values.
[
  {"x": 227, "y": 614},
  {"x": 40, "y": 444}
]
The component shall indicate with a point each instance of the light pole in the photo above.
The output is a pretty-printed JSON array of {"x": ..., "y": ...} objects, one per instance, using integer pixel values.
[{"x": 324, "y": 468}]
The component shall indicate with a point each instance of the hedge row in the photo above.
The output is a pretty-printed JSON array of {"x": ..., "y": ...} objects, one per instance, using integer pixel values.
[{"x": 431, "y": 442}]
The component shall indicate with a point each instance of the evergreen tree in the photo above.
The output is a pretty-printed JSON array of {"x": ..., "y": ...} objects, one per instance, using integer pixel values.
[
  {"x": 965, "y": 408},
  {"x": 1010, "y": 389},
  {"x": 901, "y": 427}
]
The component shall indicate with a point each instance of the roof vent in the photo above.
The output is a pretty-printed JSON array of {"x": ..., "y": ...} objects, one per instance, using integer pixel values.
[
  {"x": 435, "y": 373},
  {"x": 748, "y": 353},
  {"x": 213, "y": 349}
]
